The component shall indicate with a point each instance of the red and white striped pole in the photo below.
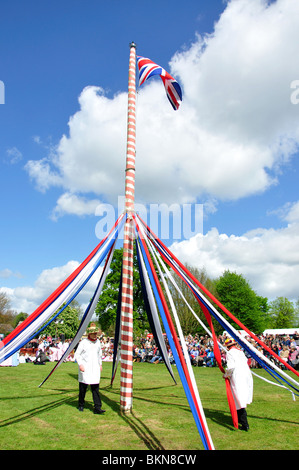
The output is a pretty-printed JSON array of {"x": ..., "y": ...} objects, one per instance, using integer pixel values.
[{"x": 126, "y": 358}]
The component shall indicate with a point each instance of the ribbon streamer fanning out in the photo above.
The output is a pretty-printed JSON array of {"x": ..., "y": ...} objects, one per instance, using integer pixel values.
[
  {"x": 181, "y": 358},
  {"x": 201, "y": 294},
  {"x": 60, "y": 298},
  {"x": 88, "y": 313},
  {"x": 152, "y": 314}
]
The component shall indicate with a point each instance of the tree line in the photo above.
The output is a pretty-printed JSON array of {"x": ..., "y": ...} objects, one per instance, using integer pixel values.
[{"x": 257, "y": 313}]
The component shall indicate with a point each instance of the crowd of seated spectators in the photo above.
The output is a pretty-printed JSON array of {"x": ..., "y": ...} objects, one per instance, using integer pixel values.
[
  {"x": 47, "y": 349},
  {"x": 200, "y": 349},
  {"x": 285, "y": 346},
  {"x": 50, "y": 349}
]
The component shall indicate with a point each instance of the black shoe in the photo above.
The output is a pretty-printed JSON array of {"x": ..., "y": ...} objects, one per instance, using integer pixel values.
[
  {"x": 244, "y": 427},
  {"x": 80, "y": 408},
  {"x": 99, "y": 412}
]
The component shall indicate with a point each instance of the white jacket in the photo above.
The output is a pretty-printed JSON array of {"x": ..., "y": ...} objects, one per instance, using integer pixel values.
[
  {"x": 89, "y": 354},
  {"x": 240, "y": 377}
]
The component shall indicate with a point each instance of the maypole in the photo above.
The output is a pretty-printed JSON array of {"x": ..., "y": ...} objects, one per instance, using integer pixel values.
[{"x": 126, "y": 337}]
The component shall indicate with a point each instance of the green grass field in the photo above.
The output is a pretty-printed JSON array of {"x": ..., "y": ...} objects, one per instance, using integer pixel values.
[{"x": 47, "y": 418}]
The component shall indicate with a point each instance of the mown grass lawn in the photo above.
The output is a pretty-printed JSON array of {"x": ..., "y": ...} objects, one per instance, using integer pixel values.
[{"x": 47, "y": 418}]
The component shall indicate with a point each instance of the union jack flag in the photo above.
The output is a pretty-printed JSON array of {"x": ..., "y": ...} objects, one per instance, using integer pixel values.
[{"x": 147, "y": 68}]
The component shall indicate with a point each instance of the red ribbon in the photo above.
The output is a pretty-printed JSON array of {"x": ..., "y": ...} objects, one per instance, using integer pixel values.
[{"x": 229, "y": 393}]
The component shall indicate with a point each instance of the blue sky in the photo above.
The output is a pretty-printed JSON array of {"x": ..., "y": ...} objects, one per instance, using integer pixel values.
[{"x": 235, "y": 137}]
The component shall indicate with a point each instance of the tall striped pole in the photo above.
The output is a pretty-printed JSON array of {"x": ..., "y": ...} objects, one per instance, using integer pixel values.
[{"x": 126, "y": 358}]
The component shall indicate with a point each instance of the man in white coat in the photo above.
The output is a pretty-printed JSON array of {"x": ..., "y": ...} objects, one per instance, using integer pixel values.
[
  {"x": 241, "y": 381},
  {"x": 89, "y": 358}
]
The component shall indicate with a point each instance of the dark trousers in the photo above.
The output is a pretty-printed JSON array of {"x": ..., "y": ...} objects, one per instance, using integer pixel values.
[
  {"x": 242, "y": 417},
  {"x": 95, "y": 395}
]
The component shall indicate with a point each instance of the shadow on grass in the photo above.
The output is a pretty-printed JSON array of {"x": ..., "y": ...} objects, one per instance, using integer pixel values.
[
  {"x": 28, "y": 414},
  {"x": 142, "y": 431},
  {"x": 159, "y": 399},
  {"x": 220, "y": 417},
  {"x": 225, "y": 420},
  {"x": 138, "y": 426}
]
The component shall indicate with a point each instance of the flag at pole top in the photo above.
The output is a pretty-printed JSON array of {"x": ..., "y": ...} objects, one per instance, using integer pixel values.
[{"x": 147, "y": 68}]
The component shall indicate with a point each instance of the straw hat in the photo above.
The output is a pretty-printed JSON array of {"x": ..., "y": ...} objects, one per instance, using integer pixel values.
[
  {"x": 92, "y": 329},
  {"x": 230, "y": 342}
]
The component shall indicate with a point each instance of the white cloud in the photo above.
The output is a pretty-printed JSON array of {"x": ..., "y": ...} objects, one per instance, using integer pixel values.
[
  {"x": 87, "y": 159},
  {"x": 267, "y": 258},
  {"x": 13, "y": 155},
  {"x": 28, "y": 298},
  {"x": 235, "y": 128},
  {"x": 74, "y": 205},
  {"x": 42, "y": 173},
  {"x": 7, "y": 273},
  {"x": 292, "y": 214}
]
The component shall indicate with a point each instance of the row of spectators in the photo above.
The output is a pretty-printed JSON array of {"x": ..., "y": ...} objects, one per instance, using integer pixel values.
[
  {"x": 49, "y": 349},
  {"x": 200, "y": 349},
  {"x": 46, "y": 349},
  {"x": 285, "y": 346}
]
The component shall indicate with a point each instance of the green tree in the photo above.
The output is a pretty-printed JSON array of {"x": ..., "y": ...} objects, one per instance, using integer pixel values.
[
  {"x": 67, "y": 322},
  {"x": 296, "y": 316},
  {"x": 19, "y": 318},
  {"x": 283, "y": 313},
  {"x": 106, "y": 308},
  {"x": 240, "y": 299},
  {"x": 7, "y": 315}
]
